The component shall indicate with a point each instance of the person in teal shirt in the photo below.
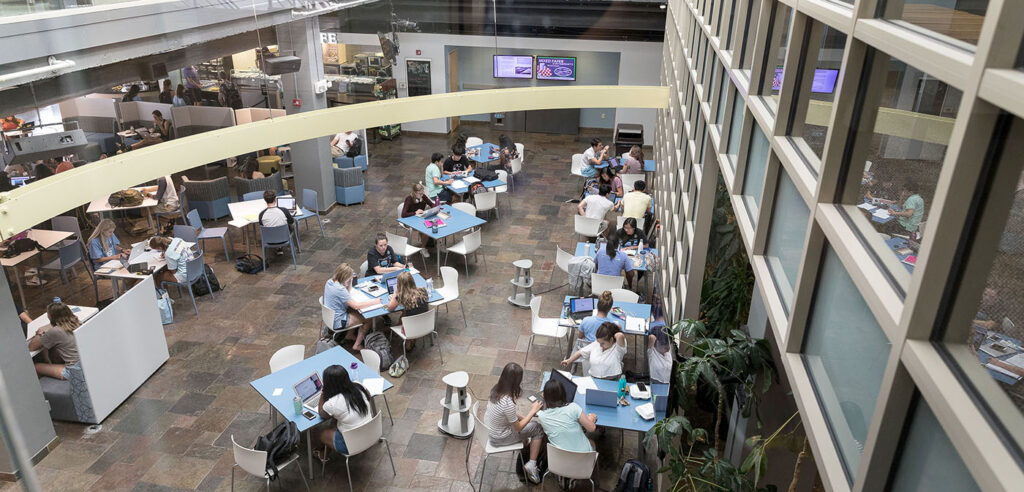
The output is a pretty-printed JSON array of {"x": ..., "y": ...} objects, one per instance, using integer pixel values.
[
  {"x": 909, "y": 218},
  {"x": 564, "y": 421},
  {"x": 434, "y": 181}
]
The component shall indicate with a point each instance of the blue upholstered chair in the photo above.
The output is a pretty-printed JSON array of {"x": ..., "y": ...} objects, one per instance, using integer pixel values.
[
  {"x": 210, "y": 198},
  {"x": 360, "y": 161},
  {"x": 273, "y": 182},
  {"x": 349, "y": 187},
  {"x": 343, "y": 162}
]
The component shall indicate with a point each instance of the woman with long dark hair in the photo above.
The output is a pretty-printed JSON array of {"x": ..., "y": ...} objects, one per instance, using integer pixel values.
[
  {"x": 609, "y": 260},
  {"x": 564, "y": 421},
  {"x": 344, "y": 401},
  {"x": 507, "y": 426}
]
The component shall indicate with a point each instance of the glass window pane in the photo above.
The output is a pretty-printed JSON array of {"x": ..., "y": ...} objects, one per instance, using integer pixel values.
[
  {"x": 845, "y": 352},
  {"x": 723, "y": 96},
  {"x": 757, "y": 164},
  {"x": 958, "y": 22},
  {"x": 817, "y": 90},
  {"x": 749, "y": 30},
  {"x": 928, "y": 460},
  {"x": 914, "y": 116},
  {"x": 786, "y": 237},
  {"x": 735, "y": 127},
  {"x": 778, "y": 42}
]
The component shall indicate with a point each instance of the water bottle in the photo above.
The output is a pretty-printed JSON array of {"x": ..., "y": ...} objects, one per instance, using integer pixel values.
[
  {"x": 297, "y": 403},
  {"x": 433, "y": 227},
  {"x": 430, "y": 287},
  {"x": 640, "y": 249},
  {"x": 623, "y": 387}
]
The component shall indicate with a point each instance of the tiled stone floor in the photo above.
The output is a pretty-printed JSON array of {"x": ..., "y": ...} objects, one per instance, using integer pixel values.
[{"x": 175, "y": 432}]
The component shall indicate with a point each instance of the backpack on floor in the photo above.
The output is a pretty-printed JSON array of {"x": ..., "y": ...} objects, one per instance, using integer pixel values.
[
  {"x": 252, "y": 264},
  {"x": 477, "y": 188},
  {"x": 199, "y": 288},
  {"x": 377, "y": 342},
  {"x": 635, "y": 477},
  {"x": 279, "y": 444}
]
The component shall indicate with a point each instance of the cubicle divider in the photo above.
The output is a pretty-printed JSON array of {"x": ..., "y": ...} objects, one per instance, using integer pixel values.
[
  {"x": 96, "y": 116},
  {"x": 139, "y": 114},
  {"x": 119, "y": 348},
  {"x": 249, "y": 115},
  {"x": 190, "y": 120}
]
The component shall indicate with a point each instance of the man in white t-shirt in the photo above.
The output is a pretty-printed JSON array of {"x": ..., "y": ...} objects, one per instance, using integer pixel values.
[
  {"x": 342, "y": 142},
  {"x": 597, "y": 206}
]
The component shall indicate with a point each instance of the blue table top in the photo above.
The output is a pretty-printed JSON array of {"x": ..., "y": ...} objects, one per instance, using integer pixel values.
[
  {"x": 634, "y": 309},
  {"x": 897, "y": 243},
  {"x": 648, "y": 165},
  {"x": 486, "y": 150},
  {"x": 984, "y": 358},
  {"x": 619, "y": 417},
  {"x": 487, "y": 184},
  {"x": 287, "y": 378},
  {"x": 457, "y": 222},
  {"x": 386, "y": 298},
  {"x": 876, "y": 219},
  {"x": 588, "y": 249}
]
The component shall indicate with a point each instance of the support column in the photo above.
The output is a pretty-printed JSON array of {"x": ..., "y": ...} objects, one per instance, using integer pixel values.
[{"x": 311, "y": 159}]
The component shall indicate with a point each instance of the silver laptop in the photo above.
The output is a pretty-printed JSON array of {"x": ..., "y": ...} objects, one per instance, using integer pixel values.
[
  {"x": 430, "y": 212},
  {"x": 309, "y": 391},
  {"x": 287, "y": 203},
  {"x": 139, "y": 253}
]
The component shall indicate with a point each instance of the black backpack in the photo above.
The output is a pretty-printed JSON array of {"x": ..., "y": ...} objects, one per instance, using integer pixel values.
[
  {"x": 231, "y": 95},
  {"x": 485, "y": 175},
  {"x": 376, "y": 342},
  {"x": 21, "y": 245},
  {"x": 635, "y": 477},
  {"x": 199, "y": 288},
  {"x": 356, "y": 148},
  {"x": 252, "y": 264},
  {"x": 279, "y": 444}
]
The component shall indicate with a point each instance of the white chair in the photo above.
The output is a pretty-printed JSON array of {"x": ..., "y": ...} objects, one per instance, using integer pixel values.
[
  {"x": 623, "y": 295},
  {"x": 561, "y": 261},
  {"x": 576, "y": 168},
  {"x": 402, "y": 247},
  {"x": 628, "y": 180},
  {"x": 360, "y": 439},
  {"x": 255, "y": 463},
  {"x": 287, "y": 356},
  {"x": 620, "y": 219},
  {"x": 464, "y": 207},
  {"x": 486, "y": 202},
  {"x": 517, "y": 167},
  {"x": 503, "y": 190},
  {"x": 363, "y": 267},
  {"x": 398, "y": 214},
  {"x": 481, "y": 434},
  {"x": 469, "y": 245},
  {"x": 474, "y": 141},
  {"x": 545, "y": 327},
  {"x": 587, "y": 227},
  {"x": 573, "y": 465},
  {"x": 418, "y": 326},
  {"x": 327, "y": 318},
  {"x": 450, "y": 291},
  {"x": 372, "y": 360},
  {"x": 600, "y": 283},
  {"x": 521, "y": 150}
]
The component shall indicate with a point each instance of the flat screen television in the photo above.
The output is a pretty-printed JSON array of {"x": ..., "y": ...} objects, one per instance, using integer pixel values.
[
  {"x": 513, "y": 67},
  {"x": 556, "y": 68},
  {"x": 824, "y": 81}
]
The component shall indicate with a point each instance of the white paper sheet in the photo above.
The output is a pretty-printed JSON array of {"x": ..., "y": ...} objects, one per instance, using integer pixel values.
[
  {"x": 635, "y": 325},
  {"x": 1017, "y": 360},
  {"x": 866, "y": 206},
  {"x": 374, "y": 385},
  {"x": 278, "y": 391},
  {"x": 458, "y": 183},
  {"x": 583, "y": 384},
  {"x": 472, "y": 180},
  {"x": 881, "y": 213}
]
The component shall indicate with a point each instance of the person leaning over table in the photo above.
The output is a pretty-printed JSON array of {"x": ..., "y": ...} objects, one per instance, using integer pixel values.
[
  {"x": 381, "y": 258},
  {"x": 413, "y": 299},
  {"x": 609, "y": 177},
  {"x": 506, "y": 426},
  {"x": 458, "y": 162},
  {"x": 103, "y": 244},
  {"x": 58, "y": 340},
  {"x": 177, "y": 252},
  {"x": 161, "y": 126},
  {"x": 908, "y": 219},
  {"x": 435, "y": 179},
  {"x": 346, "y": 402},
  {"x": 338, "y": 297},
  {"x": 597, "y": 206},
  {"x": 630, "y": 235},
  {"x": 563, "y": 420},
  {"x": 415, "y": 204},
  {"x": 586, "y": 332},
  {"x": 605, "y": 353}
]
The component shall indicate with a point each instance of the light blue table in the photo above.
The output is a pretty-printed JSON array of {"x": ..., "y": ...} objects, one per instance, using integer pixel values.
[
  {"x": 457, "y": 222},
  {"x": 620, "y": 417},
  {"x": 490, "y": 185},
  {"x": 897, "y": 243},
  {"x": 486, "y": 151},
  {"x": 878, "y": 220},
  {"x": 590, "y": 249},
  {"x": 648, "y": 165},
  {"x": 984, "y": 358},
  {"x": 633, "y": 309},
  {"x": 287, "y": 378},
  {"x": 386, "y": 298}
]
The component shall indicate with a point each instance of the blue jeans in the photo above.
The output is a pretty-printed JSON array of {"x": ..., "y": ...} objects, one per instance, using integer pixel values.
[{"x": 339, "y": 442}]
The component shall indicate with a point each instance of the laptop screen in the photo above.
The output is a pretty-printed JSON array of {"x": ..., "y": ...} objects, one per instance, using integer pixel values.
[
  {"x": 287, "y": 203},
  {"x": 20, "y": 180},
  {"x": 392, "y": 283},
  {"x": 581, "y": 305},
  {"x": 309, "y": 386},
  {"x": 567, "y": 384}
]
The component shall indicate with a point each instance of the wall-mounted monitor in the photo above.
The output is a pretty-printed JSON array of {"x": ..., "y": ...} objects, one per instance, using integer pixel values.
[
  {"x": 513, "y": 67},
  {"x": 556, "y": 68},
  {"x": 824, "y": 81}
]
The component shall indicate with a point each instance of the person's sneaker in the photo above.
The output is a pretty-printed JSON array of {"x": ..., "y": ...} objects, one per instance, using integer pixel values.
[
  {"x": 426, "y": 254},
  {"x": 35, "y": 281},
  {"x": 280, "y": 252},
  {"x": 532, "y": 473}
]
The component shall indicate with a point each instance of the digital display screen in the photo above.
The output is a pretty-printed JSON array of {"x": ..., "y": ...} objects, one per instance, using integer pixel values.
[
  {"x": 824, "y": 81},
  {"x": 513, "y": 67},
  {"x": 556, "y": 68}
]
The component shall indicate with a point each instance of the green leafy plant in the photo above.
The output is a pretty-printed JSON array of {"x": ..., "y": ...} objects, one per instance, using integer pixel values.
[{"x": 728, "y": 279}]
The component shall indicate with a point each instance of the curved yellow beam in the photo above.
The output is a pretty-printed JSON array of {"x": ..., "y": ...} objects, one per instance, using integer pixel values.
[{"x": 30, "y": 205}]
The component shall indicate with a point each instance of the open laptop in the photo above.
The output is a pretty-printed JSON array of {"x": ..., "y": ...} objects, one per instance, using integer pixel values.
[
  {"x": 567, "y": 384},
  {"x": 309, "y": 390},
  {"x": 392, "y": 284},
  {"x": 602, "y": 398},
  {"x": 139, "y": 253},
  {"x": 20, "y": 180},
  {"x": 287, "y": 203},
  {"x": 581, "y": 307},
  {"x": 142, "y": 132},
  {"x": 430, "y": 212}
]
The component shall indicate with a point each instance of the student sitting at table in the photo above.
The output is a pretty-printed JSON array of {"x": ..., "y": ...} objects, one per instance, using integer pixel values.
[
  {"x": 636, "y": 203},
  {"x": 58, "y": 340},
  {"x": 413, "y": 299},
  {"x": 605, "y": 353},
  {"x": 507, "y": 427},
  {"x": 345, "y": 401},
  {"x": 434, "y": 182},
  {"x": 597, "y": 206},
  {"x": 415, "y": 204},
  {"x": 563, "y": 420},
  {"x": 274, "y": 216},
  {"x": 458, "y": 162},
  {"x": 165, "y": 195},
  {"x": 507, "y": 152},
  {"x": 161, "y": 126},
  {"x": 609, "y": 261},
  {"x": 610, "y": 178},
  {"x": 909, "y": 217},
  {"x": 634, "y": 162},
  {"x": 630, "y": 235},
  {"x": 338, "y": 297},
  {"x": 659, "y": 355},
  {"x": 381, "y": 258},
  {"x": 586, "y": 332},
  {"x": 593, "y": 156},
  {"x": 249, "y": 169},
  {"x": 103, "y": 244},
  {"x": 177, "y": 253}
]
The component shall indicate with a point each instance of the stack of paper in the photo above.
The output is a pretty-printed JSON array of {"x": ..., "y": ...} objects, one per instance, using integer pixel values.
[
  {"x": 472, "y": 180},
  {"x": 881, "y": 213},
  {"x": 866, "y": 206},
  {"x": 583, "y": 384},
  {"x": 458, "y": 183},
  {"x": 635, "y": 325}
]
